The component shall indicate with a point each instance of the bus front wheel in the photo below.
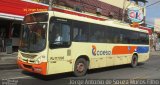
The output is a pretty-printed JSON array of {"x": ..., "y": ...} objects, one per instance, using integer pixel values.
[
  {"x": 134, "y": 61},
  {"x": 80, "y": 67}
]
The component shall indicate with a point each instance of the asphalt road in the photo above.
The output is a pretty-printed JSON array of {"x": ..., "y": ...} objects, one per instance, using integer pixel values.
[{"x": 148, "y": 70}]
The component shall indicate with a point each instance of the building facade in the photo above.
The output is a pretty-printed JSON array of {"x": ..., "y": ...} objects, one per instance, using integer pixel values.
[
  {"x": 12, "y": 13},
  {"x": 157, "y": 33},
  {"x": 157, "y": 25}
]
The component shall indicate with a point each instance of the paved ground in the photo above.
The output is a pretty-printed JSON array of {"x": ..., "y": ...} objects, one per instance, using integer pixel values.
[
  {"x": 8, "y": 61},
  {"x": 147, "y": 70},
  {"x": 8, "y": 58}
]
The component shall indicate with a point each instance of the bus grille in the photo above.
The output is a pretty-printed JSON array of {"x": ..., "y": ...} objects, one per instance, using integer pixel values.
[{"x": 27, "y": 66}]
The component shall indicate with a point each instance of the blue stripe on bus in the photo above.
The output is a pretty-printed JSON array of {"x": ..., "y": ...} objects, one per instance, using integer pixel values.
[{"x": 142, "y": 49}]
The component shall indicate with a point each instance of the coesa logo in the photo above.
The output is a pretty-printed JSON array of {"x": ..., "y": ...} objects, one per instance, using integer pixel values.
[{"x": 96, "y": 52}]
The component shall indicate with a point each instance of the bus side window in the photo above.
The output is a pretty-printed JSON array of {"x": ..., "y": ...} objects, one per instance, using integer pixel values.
[
  {"x": 80, "y": 35},
  {"x": 134, "y": 37},
  {"x": 75, "y": 33},
  {"x": 143, "y": 38},
  {"x": 65, "y": 33},
  {"x": 116, "y": 35},
  {"x": 115, "y": 40},
  {"x": 55, "y": 33},
  {"x": 59, "y": 35},
  {"x": 80, "y": 31},
  {"x": 93, "y": 37}
]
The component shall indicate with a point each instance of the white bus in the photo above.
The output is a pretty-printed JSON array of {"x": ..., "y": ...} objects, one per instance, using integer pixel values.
[{"x": 56, "y": 42}]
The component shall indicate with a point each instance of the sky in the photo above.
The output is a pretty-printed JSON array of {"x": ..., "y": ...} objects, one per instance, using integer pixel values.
[{"x": 152, "y": 12}]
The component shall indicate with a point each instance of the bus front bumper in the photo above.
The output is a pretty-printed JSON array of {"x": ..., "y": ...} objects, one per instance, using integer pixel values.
[{"x": 35, "y": 68}]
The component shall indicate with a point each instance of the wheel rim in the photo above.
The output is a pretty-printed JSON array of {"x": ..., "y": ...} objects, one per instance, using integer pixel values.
[
  {"x": 134, "y": 61},
  {"x": 80, "y": 67}
]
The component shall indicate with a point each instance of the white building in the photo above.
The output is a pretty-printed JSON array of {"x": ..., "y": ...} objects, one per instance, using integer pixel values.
[{"x": 157, "y": 25}]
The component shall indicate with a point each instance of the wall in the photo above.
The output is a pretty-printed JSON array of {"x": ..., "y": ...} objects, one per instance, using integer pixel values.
[{"x": 157, "y": 25}]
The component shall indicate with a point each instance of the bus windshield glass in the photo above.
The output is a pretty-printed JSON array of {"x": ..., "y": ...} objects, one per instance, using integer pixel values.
[{"x": 33, "y": 37}]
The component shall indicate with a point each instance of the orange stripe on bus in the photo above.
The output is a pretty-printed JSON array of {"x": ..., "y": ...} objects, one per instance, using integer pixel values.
[{"x": 123, "y": 50}]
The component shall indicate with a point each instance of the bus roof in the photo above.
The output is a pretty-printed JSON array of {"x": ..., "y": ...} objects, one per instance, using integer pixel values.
[{"x": 98, "y": 20}]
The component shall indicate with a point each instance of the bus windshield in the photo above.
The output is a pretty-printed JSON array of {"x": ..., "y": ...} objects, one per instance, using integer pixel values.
[{"x": 33, "y": 37}]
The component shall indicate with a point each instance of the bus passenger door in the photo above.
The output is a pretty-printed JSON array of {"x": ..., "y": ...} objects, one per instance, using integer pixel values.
[
  {"x": 59, "y": 53},
  {"x": 59, "y": 60}
]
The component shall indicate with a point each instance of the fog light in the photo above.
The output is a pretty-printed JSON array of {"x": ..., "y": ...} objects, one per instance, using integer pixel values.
[
  {"x": 38, "y": 61},
  {"x": 37, "y": 69}
]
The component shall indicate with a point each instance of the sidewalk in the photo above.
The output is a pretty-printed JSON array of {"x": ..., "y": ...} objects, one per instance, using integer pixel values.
[
  {"x": 154, "y": 53},
  {"x": 8, "y": 61}
]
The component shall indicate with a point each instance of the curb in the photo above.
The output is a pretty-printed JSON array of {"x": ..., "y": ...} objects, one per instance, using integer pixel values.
[{"x": 8, "y": 66}]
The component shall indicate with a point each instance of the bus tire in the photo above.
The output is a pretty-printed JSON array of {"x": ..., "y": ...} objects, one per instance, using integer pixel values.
[
  {"x": 80, "y": 67},
  {"x": 134, "y": 61}
]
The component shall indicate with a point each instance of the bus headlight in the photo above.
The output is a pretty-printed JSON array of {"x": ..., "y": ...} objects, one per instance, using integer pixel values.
[
  {"x": 38, "y": 60},
  {"x": 19, "y": 58}
]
